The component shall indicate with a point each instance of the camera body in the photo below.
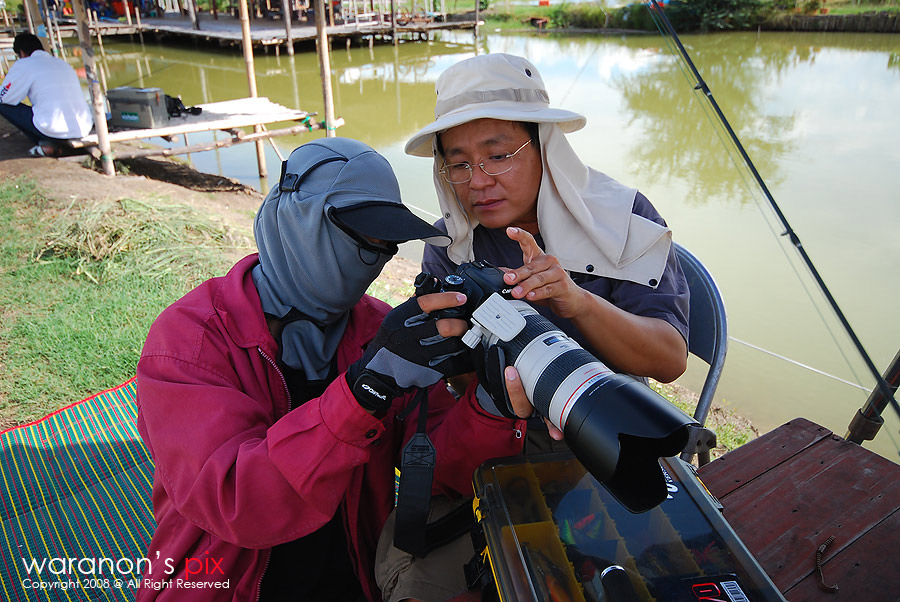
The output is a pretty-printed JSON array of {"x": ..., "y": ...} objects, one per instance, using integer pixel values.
[{"x": 616, "y": 426}]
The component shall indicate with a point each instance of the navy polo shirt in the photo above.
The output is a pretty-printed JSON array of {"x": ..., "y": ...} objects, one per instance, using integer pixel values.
[{"x": 670, "y": 301}]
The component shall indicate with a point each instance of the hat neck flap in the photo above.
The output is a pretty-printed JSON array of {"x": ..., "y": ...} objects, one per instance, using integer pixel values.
[{"x": 584, "y": 216}]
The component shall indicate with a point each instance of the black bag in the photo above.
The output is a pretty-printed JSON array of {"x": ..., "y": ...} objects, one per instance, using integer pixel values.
[{"x": 176, "y": 108}]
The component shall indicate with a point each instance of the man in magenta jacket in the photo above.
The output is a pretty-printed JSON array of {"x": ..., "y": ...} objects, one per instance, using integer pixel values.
[{"x": 269, "y": 397}]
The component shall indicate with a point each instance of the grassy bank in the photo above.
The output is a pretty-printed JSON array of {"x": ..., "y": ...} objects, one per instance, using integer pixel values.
[
  {"x": 687, "y": 16},
  {"x": 81, "y": 284}
]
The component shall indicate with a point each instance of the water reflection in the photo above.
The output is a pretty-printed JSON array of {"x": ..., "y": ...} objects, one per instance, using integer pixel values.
[
  {"x": 675, "y": 128},
  {"x": 816, "y": 112}
]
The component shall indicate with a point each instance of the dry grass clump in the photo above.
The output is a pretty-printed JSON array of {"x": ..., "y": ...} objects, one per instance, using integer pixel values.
[{"x": 104, "y": 240}]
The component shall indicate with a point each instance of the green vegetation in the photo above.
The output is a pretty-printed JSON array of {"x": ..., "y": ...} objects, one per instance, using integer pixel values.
[
  {"x": 81, "y": 285},
  {"x": 685, "y": 15},
  {"x": 731, "y": 430}
]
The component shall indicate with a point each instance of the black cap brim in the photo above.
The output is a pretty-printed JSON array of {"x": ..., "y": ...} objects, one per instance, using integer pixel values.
[{"x": 390, "y": 222}]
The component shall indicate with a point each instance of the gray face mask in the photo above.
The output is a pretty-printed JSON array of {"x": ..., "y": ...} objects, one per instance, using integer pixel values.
[{"x": 310, "y": 267}]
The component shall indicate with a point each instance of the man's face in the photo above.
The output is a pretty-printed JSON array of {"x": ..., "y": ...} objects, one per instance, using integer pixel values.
[{"x": 508, "y": 199}]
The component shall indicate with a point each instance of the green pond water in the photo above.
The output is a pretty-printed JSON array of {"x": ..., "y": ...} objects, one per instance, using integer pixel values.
[{"x": 819, "y": 114}]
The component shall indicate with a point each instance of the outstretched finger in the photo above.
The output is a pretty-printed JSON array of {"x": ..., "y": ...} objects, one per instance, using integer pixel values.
[{"x": 529, "y": 246}]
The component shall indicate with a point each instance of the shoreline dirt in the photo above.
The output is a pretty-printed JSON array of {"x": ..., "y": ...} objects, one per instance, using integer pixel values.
[{"x": 220, "y": 198}]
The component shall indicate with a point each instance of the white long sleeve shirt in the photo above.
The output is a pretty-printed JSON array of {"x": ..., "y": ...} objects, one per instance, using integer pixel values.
[{"x": 60, "y": 110}]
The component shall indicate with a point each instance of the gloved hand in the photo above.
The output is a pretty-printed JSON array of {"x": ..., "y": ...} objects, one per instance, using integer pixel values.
[{"x": 407, "y": 352}]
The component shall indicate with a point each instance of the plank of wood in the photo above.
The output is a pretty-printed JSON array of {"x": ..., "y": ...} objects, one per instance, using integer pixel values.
[
  {"x": 831, "y": 487},
  {"x": 868, "y": 569},
  {"x": 731, "y": 471},
  {"x": 224, "y": 115}
]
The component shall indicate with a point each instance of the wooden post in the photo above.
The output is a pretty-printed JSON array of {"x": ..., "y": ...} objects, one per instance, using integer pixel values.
[
  {"x": 477, "y": 12},
  {"x": 51, "y": 33},
  {"x": 325, "y": 67},
  {"x": 99, "y": 37},
  {"x": 97, "y": 102},
  {"x": 59, "y": 42},
  {"x": 330, "y": 13},
  {"x": 394, "y": 23},
  {"x": 5, "y": 18},
  {"x": 127, "y": 12},
  {"x": 251, "y": 79},
  {"x": 35, "y": 13},
  {"x": 289, "y": 36},
  {"x": 29, "y": 18},
  {"x": 192, "y": 10},
  {"x": 140, "y": 26}
]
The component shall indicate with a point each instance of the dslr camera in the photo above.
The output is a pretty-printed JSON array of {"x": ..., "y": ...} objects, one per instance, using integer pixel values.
[{"x": 616, "y": 426}]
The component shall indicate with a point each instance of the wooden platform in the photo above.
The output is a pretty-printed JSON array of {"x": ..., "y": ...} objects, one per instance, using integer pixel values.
[
  {"x": 228, "y": 116},
  {"x": 226, "y": 30},
  {"x": 789, "y": 491}
]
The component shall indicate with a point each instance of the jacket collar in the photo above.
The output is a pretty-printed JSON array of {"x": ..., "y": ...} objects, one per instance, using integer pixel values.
[{"x": 237, "y": 304}]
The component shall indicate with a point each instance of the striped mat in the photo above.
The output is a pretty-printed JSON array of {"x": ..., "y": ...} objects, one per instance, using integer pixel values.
[{"x": 75, "y": 511}]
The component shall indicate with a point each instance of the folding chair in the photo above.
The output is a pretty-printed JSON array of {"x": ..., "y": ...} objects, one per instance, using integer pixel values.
[{"x": 708, "y": 340}]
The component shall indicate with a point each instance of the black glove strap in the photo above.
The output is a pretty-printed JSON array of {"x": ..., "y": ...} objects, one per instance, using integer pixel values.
[{"x": 373, "y": 392}]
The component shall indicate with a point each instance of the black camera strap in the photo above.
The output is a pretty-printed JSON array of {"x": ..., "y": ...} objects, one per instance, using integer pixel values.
[{"x": 412, "y": 532}]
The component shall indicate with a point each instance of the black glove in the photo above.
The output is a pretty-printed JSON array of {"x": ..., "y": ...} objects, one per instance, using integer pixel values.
[{"x": 407, "y": 352}]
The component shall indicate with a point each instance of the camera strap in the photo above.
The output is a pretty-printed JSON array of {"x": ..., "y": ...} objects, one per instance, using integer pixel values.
[{"x": 412, "y": 532}]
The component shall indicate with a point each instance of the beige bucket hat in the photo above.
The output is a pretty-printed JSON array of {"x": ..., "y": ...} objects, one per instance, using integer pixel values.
[{"x": 494, "y": 86}]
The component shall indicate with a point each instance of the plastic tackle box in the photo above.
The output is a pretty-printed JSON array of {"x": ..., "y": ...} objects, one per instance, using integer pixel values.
[{"x": 552, "y": 531}]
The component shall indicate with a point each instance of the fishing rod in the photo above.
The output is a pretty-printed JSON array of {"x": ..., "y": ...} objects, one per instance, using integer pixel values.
[{"x": 868, "y": 420}]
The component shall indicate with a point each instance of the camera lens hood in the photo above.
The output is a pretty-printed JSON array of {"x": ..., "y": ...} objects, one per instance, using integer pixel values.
[{"x": 621, "y": 436}]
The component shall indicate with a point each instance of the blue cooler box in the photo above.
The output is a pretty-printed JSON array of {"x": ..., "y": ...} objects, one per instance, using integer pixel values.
[{"x": 140, "y": 108}]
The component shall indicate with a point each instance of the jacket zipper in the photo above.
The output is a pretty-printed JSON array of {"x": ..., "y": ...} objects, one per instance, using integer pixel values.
[{"x": 287, "y": 394}]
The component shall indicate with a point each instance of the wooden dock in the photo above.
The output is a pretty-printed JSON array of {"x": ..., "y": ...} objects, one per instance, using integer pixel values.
[
  {"x": 820, "y": 514},
  {"x": 267, "y": 32}
]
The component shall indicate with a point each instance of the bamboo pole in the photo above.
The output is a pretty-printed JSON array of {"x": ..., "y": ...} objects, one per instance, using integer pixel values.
[
  {"x": 35, "y": 13},
  {"x": 325, "y": 67},
  {"x": 97, "y": 101},
  {"x": 251, "y": 78},
  {"x": 289, "y": 36},
  {"x": 99, "y": 36},
  {"x": 192, "y": 10},
  {"x": 394, "y": 23},
  {"x": 59, "y": 42},
  {"x": 48, "y": 27},
  {"x": 330, "y": 13},
  {"x": 5, "y": 18},
  {"x": 127, "y": 12},
  {"x": 29, "y": 22},
  {"x": 140, "y": 26}
]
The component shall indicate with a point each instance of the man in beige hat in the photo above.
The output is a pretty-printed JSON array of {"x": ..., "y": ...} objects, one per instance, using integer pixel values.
[{"x": 593, "y": 255}]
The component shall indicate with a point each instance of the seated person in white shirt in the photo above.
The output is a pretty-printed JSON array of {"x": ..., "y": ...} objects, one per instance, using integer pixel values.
[{"x": 58, "y": 109}]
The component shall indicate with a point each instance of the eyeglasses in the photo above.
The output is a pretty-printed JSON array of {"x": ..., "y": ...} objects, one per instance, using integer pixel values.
[{"x": 495, "y": 165}]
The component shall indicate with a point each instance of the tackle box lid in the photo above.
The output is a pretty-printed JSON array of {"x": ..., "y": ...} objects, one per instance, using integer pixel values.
[{"x": 552, "y": 530}]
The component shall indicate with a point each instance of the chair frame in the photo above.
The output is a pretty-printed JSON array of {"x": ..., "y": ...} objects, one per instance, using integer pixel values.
[{"x": 708, "y": 335}]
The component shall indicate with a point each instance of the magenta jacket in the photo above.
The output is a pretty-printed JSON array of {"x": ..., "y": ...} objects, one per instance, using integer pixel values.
[{"x": 239, "y": 471}]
